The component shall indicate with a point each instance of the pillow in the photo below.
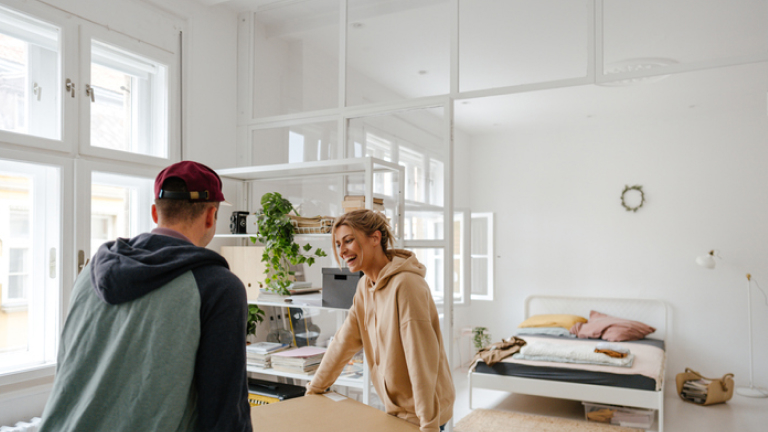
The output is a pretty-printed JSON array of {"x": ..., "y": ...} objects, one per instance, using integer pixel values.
[
  {"x": 558, "y": 320},
  {"x": 606, "y": 327},
  {"x": 550, "y": 331}
]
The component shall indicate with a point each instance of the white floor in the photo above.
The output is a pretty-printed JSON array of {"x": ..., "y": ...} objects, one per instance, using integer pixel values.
[{"x": 740, "y": 414}]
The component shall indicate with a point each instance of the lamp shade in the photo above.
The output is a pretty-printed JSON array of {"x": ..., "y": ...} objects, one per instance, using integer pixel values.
[{"x": 706, "y": 261}]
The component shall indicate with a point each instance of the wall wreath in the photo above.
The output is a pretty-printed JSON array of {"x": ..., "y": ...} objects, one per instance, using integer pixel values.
[{"x": 628, "y": 188}]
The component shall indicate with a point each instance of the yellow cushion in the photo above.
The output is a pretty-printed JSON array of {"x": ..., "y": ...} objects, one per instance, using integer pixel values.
[{"x": 552, "y": 320}]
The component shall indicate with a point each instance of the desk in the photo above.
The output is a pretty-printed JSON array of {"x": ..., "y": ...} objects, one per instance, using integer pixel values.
[{"x": 318, "y": 413}]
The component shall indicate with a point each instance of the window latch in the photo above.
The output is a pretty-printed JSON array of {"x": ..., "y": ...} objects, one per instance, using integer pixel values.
[
  {"x": 37, "y": 90},
  {"x": 70, "y": 86},
  {"x": 90, "y": 92}
]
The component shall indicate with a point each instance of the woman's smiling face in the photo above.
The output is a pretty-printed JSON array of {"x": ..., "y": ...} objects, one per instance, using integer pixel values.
[{"x": 348, "y": 248}]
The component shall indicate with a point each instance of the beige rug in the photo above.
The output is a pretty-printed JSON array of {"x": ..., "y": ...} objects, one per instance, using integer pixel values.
[{"x": 483, "y": 420}]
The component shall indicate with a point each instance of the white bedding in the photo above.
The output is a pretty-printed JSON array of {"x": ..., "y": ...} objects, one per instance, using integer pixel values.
[{"x": 583, "y": 353}]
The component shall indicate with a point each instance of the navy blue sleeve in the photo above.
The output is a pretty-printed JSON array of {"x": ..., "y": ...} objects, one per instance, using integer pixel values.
[{"x": 220, "y": 375}]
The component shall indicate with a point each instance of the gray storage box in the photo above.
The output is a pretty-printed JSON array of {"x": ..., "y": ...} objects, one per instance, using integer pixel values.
[{"x": 339, "y": 286}]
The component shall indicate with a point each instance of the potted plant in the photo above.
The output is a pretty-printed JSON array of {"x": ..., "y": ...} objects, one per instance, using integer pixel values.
[
  {"x": 280, "y": 251},
  {"x": 481, "y": 337},
  {"x": 255, "y": 316}
]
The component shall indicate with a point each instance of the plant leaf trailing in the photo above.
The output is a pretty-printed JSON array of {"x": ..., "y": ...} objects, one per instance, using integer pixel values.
[
  {"x": 481, "y": 337},
  {"x": 280, "y": 251},
  {"x": 255, "y": 316}
]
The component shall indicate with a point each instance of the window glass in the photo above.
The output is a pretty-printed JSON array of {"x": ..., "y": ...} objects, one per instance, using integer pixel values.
[
  {"x": 481, "y": 252},
  {"x": 298, "y": 143},
  {"x": 29, "y": 239},
  {"x": 120, "y": 207},
  {"x": 129, "y": 102},
  {"x": 301, "y": 41},
  {"x": 29, "y": 76},
  {"x": 433, "y": 260}
]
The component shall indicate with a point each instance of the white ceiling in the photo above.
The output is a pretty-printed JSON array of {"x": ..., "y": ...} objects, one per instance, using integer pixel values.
[{"x": 522, "y": 41}]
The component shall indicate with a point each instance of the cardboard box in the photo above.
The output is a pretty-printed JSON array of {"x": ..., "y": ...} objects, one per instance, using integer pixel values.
[
  {"x": 245, "y": 263},
  {"x": 339, "y": 286},
  {"x": 320, "y": 413}
]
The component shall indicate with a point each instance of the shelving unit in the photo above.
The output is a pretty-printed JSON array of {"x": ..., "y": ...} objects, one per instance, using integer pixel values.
[{"x": 367, "y": 167}]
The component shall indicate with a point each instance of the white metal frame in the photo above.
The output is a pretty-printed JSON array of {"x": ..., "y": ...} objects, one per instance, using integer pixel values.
[{"x": 651, "y": 312}]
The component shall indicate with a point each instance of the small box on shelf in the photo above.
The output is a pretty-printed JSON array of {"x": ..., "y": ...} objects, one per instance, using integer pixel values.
[
  {"x": 357, "y": 202},
  {"x": 339, "y": 286}
]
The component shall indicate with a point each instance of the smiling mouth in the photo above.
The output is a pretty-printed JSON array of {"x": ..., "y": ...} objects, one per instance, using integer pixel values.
[{"x": 351, "y": 261}]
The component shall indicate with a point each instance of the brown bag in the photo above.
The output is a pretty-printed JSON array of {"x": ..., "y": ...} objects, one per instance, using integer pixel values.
[{"x": 719, "y": 390}]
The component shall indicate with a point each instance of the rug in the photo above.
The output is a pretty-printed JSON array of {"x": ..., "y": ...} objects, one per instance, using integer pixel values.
[{"x": 483, "y": 420}]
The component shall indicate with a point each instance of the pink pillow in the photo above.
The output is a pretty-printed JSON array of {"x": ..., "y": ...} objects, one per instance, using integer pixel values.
[{"x": 606, "y": 327}]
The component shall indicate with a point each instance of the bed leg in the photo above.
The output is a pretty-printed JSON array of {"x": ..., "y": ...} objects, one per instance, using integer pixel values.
[
  {"x": 661, "y": 410},
  {"x": 470, "y": 391}
]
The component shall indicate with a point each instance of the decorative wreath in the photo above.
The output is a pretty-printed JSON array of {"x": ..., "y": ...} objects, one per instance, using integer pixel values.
[{"x": 642, "y": 197}]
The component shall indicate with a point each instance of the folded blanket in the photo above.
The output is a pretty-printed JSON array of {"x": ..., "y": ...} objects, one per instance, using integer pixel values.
[
  {"x": 494, "y": 353},
  {"x": 570, "y": 354}
]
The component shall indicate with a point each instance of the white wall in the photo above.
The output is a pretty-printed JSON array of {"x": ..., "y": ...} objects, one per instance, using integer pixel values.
[{"x": 561, "y": 229}]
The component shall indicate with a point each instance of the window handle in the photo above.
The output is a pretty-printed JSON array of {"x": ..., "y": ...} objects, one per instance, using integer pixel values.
[
  {"x": 81, "y": 262},
  {"x": 90, "y": 92},
  {"x": 37, "y": 90},
  {"x": 70, "y": 86}
]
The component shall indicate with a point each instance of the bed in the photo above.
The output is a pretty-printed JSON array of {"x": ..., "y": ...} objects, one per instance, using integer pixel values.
[{"x": 569, "y": 381}]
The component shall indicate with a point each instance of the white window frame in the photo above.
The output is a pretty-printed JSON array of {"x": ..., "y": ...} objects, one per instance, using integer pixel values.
[
  {"x": 488, "y": 255},
  {"x": 46, "y": 285},
  {"x": 67, "y": 64},
  {"x": 141, "y": 203},
  {"x": 157, "y": 103}
]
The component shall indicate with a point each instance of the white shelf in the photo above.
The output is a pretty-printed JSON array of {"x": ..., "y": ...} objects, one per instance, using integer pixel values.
[
  {"x": 312, "y": 301},
  {"x": 246, "y": 236},
  {"x": 342, "y": 380},
  {"x": 309, "y": 169}
]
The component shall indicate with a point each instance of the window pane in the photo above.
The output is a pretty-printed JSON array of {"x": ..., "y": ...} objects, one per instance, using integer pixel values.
[
  {"x": 479, "y": 236},
  {"x": 517, "y": 42},
  {"x": 480, "y": 276},
  {"x": 298, "y": 143},
  {"x": 29, "y": 229},
  {"x": 301, "y": 42},
  {"x": 397, "y": 50},
  {"x": 120, "y": 207},
  {"x": 433, "y": 261},
  {"x": 129, "y": 109},
  {"x": 29, "y": 76}
]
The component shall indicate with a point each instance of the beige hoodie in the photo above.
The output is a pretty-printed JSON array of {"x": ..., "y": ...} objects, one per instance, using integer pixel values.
[{"x": 396, "y": 323}]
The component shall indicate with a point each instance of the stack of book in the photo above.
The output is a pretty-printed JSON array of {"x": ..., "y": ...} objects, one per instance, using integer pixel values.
[
  {"x": 357, "y": 202},
  {"x": 304, "y": 360},
  {"x": 695, "y": 391},
  {"x": 260, "y": 353}
]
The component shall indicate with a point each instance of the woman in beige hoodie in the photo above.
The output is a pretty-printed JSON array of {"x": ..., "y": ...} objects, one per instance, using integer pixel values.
[{"x": 394, "y": 319}]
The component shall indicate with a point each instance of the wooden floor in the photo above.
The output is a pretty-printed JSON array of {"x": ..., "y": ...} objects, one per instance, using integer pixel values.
[{"x": 740, "y": 414}]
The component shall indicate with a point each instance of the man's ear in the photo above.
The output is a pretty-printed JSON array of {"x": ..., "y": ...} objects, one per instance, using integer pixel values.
[
  {"x": 154, "y": 213},
  {"x": 210, "y": 216}
]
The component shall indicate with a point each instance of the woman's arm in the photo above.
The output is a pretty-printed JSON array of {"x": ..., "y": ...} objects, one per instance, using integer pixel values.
[{"x": 345, "y": 344}]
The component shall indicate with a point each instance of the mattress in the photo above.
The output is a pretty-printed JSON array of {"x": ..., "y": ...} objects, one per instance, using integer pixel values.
[{"x": 573, "y": 375}]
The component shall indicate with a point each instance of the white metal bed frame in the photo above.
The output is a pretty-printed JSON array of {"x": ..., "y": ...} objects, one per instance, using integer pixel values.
[{"x": 649, "y": 311}]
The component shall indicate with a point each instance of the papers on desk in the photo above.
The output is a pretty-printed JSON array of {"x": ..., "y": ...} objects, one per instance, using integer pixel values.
[{"x": 334, "y": 396}]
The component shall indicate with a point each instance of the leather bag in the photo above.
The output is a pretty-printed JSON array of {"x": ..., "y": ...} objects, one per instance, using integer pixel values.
[{"x": 719, "y": 390}]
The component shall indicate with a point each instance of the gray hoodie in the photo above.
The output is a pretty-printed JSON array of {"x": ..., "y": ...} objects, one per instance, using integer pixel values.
[{"x": 154, "y": 341}]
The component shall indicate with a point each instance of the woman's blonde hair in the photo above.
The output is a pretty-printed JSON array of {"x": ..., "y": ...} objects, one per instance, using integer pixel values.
[{"x": 366, "y": 222}]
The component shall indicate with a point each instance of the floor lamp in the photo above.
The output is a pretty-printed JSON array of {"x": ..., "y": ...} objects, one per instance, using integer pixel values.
[{"x": 708, "y": 261}]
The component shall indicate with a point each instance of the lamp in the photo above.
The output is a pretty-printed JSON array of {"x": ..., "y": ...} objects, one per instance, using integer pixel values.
[{"x": 708, "y": 261}]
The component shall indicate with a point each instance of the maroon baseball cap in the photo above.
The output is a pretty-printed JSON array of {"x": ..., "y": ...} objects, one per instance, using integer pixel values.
[{"x": 203, "y": 184}]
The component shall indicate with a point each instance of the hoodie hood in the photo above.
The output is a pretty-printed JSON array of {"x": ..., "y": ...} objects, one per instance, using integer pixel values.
[
  {"x": 402, "y": 261},
  {"x": 126, "y": 269}
]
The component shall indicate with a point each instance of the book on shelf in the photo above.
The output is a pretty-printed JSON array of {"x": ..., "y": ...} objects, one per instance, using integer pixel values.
[
  {"x": 696, "y": 390},
  {"x": 298, "y": 357},
  {"x": 361, "y": 198},
  {"x": 308, "y": 369},
  {"x": 265, "y": 347}
]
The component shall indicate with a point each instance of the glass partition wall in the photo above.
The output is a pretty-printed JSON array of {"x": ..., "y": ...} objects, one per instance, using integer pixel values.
[{"x": 419, "y": 83}]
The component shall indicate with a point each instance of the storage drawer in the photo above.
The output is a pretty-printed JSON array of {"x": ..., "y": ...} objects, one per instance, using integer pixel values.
[{"x": 619, "y": 415}]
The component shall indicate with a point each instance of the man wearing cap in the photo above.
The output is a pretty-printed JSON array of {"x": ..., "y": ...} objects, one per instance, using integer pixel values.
[{"x": 155, "y": 335}]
